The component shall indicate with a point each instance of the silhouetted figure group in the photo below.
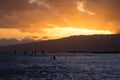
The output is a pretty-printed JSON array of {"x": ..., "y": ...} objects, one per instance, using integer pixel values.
[{"x": 33, "y": 53}]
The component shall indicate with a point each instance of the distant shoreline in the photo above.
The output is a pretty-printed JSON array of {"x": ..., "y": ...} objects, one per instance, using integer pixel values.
[{"x": 29, "y": 52}]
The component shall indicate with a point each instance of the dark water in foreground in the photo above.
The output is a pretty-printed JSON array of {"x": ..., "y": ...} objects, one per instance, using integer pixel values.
[{"x": 67, "y": 66}]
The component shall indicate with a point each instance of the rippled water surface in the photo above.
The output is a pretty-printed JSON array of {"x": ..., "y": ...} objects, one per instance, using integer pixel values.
[{"x": 66, "y": 66}]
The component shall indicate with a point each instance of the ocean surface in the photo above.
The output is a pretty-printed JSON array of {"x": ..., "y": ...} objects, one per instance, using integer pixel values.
[{"x": 60, "y": 66}]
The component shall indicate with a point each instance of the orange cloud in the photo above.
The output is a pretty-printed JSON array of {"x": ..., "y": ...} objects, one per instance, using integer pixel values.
[{"x": 32, "y": 17}]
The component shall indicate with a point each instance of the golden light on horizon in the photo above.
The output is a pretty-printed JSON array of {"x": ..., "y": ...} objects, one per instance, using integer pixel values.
[
  {"x": 59, "y": 32},
  {"x": 51, "y": 33}
]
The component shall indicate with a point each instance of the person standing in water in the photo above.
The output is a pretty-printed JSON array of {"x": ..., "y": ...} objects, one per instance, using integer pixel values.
[{"x": 54, "y": 57}]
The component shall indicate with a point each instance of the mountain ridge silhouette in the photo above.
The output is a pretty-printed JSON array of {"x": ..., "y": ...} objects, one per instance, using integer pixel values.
[{"x": 82, "y": 43}]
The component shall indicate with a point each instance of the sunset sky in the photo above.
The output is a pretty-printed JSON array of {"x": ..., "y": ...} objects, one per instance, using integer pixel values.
[{"x": 31, "y": 20}]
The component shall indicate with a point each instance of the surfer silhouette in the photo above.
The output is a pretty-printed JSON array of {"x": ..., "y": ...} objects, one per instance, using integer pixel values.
[{"x": 54, "y": 57}]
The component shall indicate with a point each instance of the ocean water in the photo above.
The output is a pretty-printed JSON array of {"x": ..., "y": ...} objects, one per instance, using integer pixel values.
[{"x": 66, "y": 66}]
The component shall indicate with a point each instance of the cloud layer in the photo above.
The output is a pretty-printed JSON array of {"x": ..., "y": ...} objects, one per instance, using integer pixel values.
[{"x": 33, "y": 15}]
